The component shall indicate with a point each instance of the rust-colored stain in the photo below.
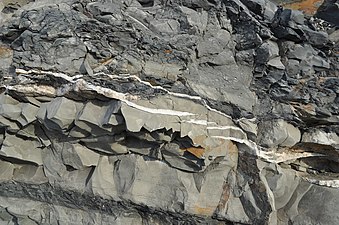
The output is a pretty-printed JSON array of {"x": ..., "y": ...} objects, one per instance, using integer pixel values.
[
  {"x": 5, "y": 52},
  {"x": 207, "y": 211},
  {"x": 232, "y": 148},
  {"x": 225, "y": 195},
  {"x": 196, "y": 151},
  {"x": 200, "y": 139},
  {"x": 105, "y": 61},
  {"x": 307, "y": 6},
  {"x": 168, "y": 51},
  {"x": 309, "y": 107}
]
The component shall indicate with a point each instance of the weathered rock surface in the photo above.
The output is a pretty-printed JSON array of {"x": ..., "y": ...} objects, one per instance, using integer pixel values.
[{"x": 167, "y": 112}]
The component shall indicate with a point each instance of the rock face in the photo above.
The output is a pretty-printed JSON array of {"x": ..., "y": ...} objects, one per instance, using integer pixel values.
[{"x": 167, "y": 112}]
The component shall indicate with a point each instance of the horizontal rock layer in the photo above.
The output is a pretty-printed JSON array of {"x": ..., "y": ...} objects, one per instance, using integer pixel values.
[{"x": 181, "y": 112}]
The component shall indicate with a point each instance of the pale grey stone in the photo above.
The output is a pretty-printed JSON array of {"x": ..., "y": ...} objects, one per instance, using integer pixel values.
[
  {"x": 321, "y": 204},
  {"x": 167, "y": 26},
  {"x": 75, "y": 180},
  {"x": 26, "y": 150},
  {"x": 282, "y": 182},
  {"x": 197, "y": 20},
  {"x": 62, "y": 111},
  {"x": 87, "y": 157},
  {"x": 98, "y": 112},
  {"x": 233, "y": 132},
  {"x": 163, "y": 70},
  {"x": 249, "y": 126},
  {"x": 28, "y": 114},
  {"x": 70, "y": 157},
  {"x": 10, "y": 108},
  {"x": 30, "y": 174},
  {"x": 320, "y": 137},
  {"x": 276, "y": 63},
  {"x": 12, "y": 126},
  {"x": 214, "y": 44},
  {"x": 102, "y": 182},
  {"x": 6, "y": 170},
  {"x": 54, "y": 168},
  {"x": 223, "y": 83},
  {"x": 116, "y": 120},
  {"x": 161, "y": 188},
  {"x": 124, "y": 173},
  {"x": 193, "y": 130},
  {"x": 278, "y": 133}
]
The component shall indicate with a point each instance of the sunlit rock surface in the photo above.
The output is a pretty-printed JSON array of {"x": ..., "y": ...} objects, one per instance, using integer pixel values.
[{"x": 167, "y": 112}]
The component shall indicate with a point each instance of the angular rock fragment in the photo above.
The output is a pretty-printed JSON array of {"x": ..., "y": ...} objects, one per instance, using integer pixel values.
[
  {"x": 98, "y": 112},
  {"x": 25, "y": 150},
  {"x": 102, "y": 182},
  {"x": 59, "y": 113},
  {"x": 321, "y": 137},
  {"x": 30, "y": 174}
]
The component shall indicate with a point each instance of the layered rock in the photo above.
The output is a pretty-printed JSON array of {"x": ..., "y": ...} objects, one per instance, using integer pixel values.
[{"x": 175, "y": 112}]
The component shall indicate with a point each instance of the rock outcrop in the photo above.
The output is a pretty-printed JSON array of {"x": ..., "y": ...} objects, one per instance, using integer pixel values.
[{"x": 167, "y": 112}]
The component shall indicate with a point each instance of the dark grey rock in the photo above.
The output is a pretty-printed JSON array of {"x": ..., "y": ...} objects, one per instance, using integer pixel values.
[
  {"x": 316, "y": 38},
  {"x": 329, "y": 11}
]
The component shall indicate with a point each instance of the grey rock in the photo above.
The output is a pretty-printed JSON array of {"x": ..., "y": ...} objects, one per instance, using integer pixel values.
[
  {"x": 249, "y": 126},
  {"x": 276, "y": 63},
  {"x": 281, "y": 134},
  {"x": 87, "y": 157},
  {"x": 181, "y": 162},
  {"x": 102, "y": 182},
  {"x": 329, "y": 11},
  {"x": 320, "y": 137},
  {"x": 26, "y": 150},
  {"x": 334, "y": 36},
  {"x": 62, "y": 112},
  {"x": 267, "y": 51},
  {"x": 102, "y": 111},
  {"x": 168, "y": 71},
  {"x": 136, "y": 119},
  {"x": 214, "y": 44},
  {"x": 7, "y": 170},
  {"x": 262, "y": 7},
  {"x": 30, "y": 174},
  {"x": 316, "y": 38},
  {"x": 106, "y": 144},
  {"x": 217, "y": 84},
  {"x": 324, "y": 213},
  {"x": 298, "y": 17},
  {"x": 165, "y": 26},
  {"x": 10, "y": 108},
  {"x": 197, "y": 20}
]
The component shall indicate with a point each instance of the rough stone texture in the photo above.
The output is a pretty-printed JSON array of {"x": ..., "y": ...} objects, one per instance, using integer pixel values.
[
  {"x": 329, "y": 11},
  {"x": 167, "y": 112}
]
